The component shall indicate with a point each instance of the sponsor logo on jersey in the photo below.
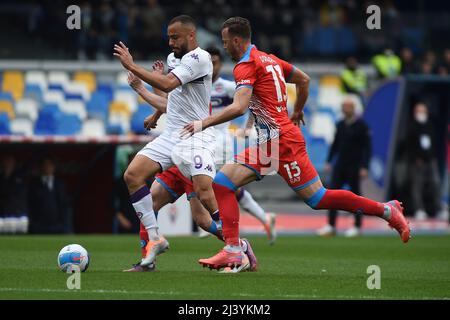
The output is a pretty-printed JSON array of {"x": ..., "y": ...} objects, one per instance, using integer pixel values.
[{"x": 243, "y": 81}]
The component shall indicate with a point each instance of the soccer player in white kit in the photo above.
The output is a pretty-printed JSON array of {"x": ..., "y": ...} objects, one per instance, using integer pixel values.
[{"x": 188, "y": 85}]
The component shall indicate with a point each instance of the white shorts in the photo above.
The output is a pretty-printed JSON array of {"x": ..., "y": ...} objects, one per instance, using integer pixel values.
[
  {"x": 224, "y": 152},
  {"x": 193, "y": 156}
]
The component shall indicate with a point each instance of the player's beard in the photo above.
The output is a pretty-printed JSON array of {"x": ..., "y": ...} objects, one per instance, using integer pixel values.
[{"x": 182, "y": 52}]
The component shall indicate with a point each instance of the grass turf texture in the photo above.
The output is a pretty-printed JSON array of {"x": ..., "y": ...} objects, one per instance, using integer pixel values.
[{"x": 294, "y": 268}]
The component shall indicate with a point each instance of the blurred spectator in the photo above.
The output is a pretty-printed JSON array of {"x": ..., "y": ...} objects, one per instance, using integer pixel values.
[
  {"x": 350, "y": 153},
  {"x": 408, "y": 63},
  {"x": 443, "y": 69},
  {"x": 13, "y": 198},
  {"x": 387, "y": 64},
  {"x": 48, "y": 201},
  {"x": 354, "y": 78},
  {"x": 423, "y": 165},
  {"x": 151, "y": 40},
  {"x": 105, "y": 26}
]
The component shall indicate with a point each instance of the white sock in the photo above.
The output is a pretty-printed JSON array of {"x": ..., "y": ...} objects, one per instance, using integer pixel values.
[
  {"x": 233, "y": 249},
  {"x": 387, "y": 213},
  {"x": 144, "y": 211},
  {"x": 249, "y": 204}
]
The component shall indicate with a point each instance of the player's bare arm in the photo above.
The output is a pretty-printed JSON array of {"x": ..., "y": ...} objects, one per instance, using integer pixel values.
[
  {"x": 301, "y": 81},
  {"x": 157, "y": 80},
  {"x": 155, "y": 100},
  {"x": 240, "y": 104}
]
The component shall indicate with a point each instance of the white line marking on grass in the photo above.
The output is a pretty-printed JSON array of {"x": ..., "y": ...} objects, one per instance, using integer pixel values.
[{"x": 242, "y": 295}]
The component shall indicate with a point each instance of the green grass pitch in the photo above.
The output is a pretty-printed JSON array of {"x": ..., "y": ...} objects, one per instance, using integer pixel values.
[{"x": 303, "y": 267}]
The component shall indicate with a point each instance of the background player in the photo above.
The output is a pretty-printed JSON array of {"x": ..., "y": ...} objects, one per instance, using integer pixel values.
[
  {"x": 260, "y": 80},
  {"x": 189, "y": 86}
]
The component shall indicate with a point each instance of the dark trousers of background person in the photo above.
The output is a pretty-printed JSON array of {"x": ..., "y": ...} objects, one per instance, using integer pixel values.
[
  {"x": 425, "y": 179},
  {"x": 341, "y": 176}
]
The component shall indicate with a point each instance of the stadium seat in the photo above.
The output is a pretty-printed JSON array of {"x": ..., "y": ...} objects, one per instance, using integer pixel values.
[
  {"x": 47, "y": 122},
  {"x": 68, "y": 124},
  {"x": 127, "y": 96},
  {"x": 93, "y": 128},
  {"x": 328, "y": 111},
  {"x": 330, "y": 96},
  {"x": 53, "y": 96},
  {"x": 137, "y": 120},
  {"x": 122, "y": 78},
  {"x": 331, "y": 81},
  {"x": 22, "y": 126},
  {"x": 7, "y": 107},
  {"x": 34, "y": 91},
  {"x": 97, "y": 107},
  {"x": 120, "y": 107},
  {"x": 58, "y": 77},
  {"x": 318, "y": 152},
  {"x": 28, "y": 108},
  {"x": 105, "y": 89},
  {"x": 74, "y": 107},
  {"x": 36, "y": 78},
  {"x": 4, "y": 123},
  {"x": 86, "y": 77},
  {"x": 119, "y": 119},
  {"x": 13, "y": 82},
  {"x": 6, "y": 96},
  {"x": 322, "y": 126},
  {"x": 77, "y": 90}
]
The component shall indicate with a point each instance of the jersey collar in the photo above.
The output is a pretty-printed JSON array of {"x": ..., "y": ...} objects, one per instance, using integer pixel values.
[{"x": 246, "y": 55}]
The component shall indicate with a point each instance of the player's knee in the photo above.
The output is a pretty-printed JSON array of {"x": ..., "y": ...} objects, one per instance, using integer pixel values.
[
  {"x": 131, "y": 178},
  {"x": 314, "y": 200}
]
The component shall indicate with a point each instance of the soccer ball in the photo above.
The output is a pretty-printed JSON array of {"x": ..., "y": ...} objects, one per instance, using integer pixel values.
[{"x": 72, "y": 256}]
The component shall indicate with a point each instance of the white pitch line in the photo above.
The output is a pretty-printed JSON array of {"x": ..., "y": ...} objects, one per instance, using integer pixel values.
[{"x": 242, "y": 295}]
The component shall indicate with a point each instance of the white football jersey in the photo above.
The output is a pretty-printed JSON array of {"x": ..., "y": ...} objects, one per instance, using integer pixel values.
[
  {"x": 222, "y": 96},
  {"x": 190, "y": 101}
]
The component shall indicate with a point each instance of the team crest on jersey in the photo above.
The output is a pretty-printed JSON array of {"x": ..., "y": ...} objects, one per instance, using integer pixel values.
[
  {"x": 140, "y": 215},
  {"x": 195, "y": 56}
]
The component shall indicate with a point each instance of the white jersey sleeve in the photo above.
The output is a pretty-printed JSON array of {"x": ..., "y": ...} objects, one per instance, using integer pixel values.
[{"x": 192, "y": 66}]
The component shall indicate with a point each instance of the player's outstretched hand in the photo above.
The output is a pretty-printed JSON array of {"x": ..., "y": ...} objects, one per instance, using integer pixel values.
[
  {"x": 297, "y": 117},
  {"x": 121, "y": 51},
  {"x": 151, "y": 121},
  {"x": 134, "y": 81},
  {"x": 191, "y": 128},
  {"x": 158, "y": 66}
]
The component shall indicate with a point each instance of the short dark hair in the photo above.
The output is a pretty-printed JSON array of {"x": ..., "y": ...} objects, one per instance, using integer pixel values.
[
  {"x": 214, "y": 51},
  {"x": 183, "y": 19},
  {"x": 238, "y": 26}
]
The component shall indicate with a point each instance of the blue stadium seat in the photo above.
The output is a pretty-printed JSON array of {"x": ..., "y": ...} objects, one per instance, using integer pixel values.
[
  {"x": 73, "y": 96},
  {"x": 33, "y": 91},
  {"x": 98, "y": 106},
  {"x": 6, "y": 96},
  {"x": 115, "y": 129},
  {"x": 137, "y": 120},
  {"x": 4, "y": 123},
  {"x": 318, "y": 152},
  {"x": 106, "y": 89},
  {"x": 329, "y": 111},
  {"x": 68, "y": 124},
  {"x": 55, "y": 86},
  {"x": 48, "y": 119}
]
